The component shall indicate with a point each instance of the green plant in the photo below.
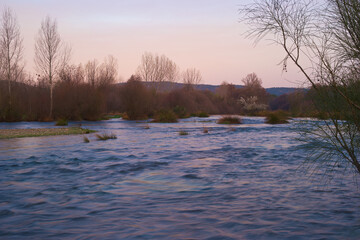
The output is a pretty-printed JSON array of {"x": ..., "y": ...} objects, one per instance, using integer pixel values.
[
  {"x": 183, "y": 133},
  {"x": 203, "y": 114},
  {"x": 165, "y": 116},
  {"x": 277, "y": 117},
  {"x": 61, "y": 122},
  {"x": 229, "y": 120},
  {"x": 180, "y": 111},
  {"x": 105, "y": 136}
]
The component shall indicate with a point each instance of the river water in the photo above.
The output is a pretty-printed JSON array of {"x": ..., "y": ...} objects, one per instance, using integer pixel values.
[{"x": 234, "y": 182}]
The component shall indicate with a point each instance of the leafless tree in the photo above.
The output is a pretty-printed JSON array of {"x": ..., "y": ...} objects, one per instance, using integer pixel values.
[
  {"x": 323, "y": 41},
  {"x": 50, "y": 54},
  {"x": 91, "y": 68},
  {"x": 107, "y": 71},
  {"x": 157, "y": 69},
  {"x": 252, "y": 81},
  {"x": 11, "y": 49},
  {"x": 191, "y": 77}
]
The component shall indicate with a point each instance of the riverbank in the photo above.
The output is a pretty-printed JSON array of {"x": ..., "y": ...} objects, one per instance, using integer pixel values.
[{"x": 41, "y": 132}]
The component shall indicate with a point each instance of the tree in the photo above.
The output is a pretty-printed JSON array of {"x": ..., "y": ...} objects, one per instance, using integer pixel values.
[
  {"x": 11, "y": 49},
  {"x": 323, "y": 41},
  {"x": 91, "y": 68},
  {"x": 50, "y": 54},
  {"x": 158, "y": 70},
  {"x": 252, "y": 81},
  {"x": 191, "y": 77}
]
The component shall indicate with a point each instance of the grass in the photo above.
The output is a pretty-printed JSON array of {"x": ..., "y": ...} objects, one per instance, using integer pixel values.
[
  {"x": 183, "y": 133},
  {"x": 111, "y": 116},
  {"x": 165, "y": 116},
  {"x": 41, "y": 132},
  {"x": 277, "y": 117},
  {"x": 105, "y": 136},
  {"x": 229, "y": 120},
  {"x": 61, "y": 122}
]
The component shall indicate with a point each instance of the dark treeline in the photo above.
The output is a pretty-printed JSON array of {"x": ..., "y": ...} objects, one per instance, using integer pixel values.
[{"x": 79, "y": 97}]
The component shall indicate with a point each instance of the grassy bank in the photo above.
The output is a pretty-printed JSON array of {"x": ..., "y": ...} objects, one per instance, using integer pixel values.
[{"x": 41, "y": 132}]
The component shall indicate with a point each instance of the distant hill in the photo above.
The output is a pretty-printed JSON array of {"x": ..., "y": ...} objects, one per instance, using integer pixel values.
[{"x": 277, "y": 91}]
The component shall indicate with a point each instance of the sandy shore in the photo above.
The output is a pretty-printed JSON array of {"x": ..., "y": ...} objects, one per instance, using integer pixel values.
[{"x": 40, "y": 132}]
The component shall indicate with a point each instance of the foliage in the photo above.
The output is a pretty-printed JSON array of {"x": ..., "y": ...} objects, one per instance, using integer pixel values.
[
  {"x": 277, "y": 117},
  {"x": 165, "y": 116},
  {"x": 202, "y": 115},
  {"x": 105, "y": 136},
  {"x": 41, "y": 132},
  {"x": 183, "y": 133},
  {"x": 229, "y": 120},
  {"x": 61, "y": 122}
]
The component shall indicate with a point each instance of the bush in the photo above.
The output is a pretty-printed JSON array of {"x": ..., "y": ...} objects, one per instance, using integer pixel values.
[
  {"x": 61, "y": 122},
  {"x": 200, "y": 114},
  {"x": 105, "y": 136},
  {"x": 229, "y": 120},
  {"x": 205, "y": 130},
  {"x": 183, "y": 133},
  {"x": 180, "y": 112},
  {"x": 277, "y": 117},
  {"x": 165, "y": 116}
]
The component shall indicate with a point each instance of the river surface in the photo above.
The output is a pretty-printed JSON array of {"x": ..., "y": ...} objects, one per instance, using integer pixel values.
[{"x": 234, "y": 182}]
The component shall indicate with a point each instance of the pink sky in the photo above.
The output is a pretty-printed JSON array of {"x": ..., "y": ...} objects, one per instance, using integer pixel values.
[{"x": 204, "y": 34}]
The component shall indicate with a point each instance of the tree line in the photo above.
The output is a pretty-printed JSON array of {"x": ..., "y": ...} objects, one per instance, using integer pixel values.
[{"x": 76, "y": 91}]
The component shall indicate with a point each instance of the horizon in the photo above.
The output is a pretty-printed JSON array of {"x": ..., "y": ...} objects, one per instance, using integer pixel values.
[{"x": 204, "y": 35}]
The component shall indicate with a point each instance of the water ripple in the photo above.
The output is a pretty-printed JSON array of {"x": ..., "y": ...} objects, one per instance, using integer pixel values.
[{"x": 155, "y": 184}]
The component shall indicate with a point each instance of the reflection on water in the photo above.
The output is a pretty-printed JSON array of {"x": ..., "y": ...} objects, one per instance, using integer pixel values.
[{"x": 154, "y": 184}]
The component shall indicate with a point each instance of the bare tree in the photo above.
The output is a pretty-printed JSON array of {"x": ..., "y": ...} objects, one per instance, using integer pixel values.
[
  {"x": 252, "y": 80},
  {"x": 11, "y": 49},
  {"x": 191, "y": 77},
  {"x": 328, "y": 37},
  {"x": 50, "y": 55},
  {"x": 91, "y": 69},
  {"x": 157, "y": 69},
  {"x": 107, "y": 71}
]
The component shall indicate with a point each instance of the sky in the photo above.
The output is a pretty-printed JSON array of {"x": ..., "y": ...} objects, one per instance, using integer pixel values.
[{"x": 202, "y": 34}]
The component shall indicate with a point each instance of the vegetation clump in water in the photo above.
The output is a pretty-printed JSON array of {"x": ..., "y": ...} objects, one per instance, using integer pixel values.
[
  {"x": 61, "y": 122},
  {"x": 229, "y": 120},
  {"x": 105, "y": 136},
  {"x": 42, "y": 132},
  {"x": 165, "y": 116},
  {"x": 277, "y": 117}
]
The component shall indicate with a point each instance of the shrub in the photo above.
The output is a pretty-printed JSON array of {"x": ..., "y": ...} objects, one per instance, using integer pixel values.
[
  {"x": 61, "y": 122},
  {"x": 180, "y": 111},
  {"x": 165, "y": 116},
  {"x": 202, "y": 115},
  {"x": 105, "y": 136},
  {"x": 277, "y": 117},
  {"x": 229, "y": 120},
  {"x": 183, "y": 133}
]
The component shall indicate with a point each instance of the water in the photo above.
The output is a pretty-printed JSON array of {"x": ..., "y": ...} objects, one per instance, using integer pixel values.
[{"x": 238, "y": 182}]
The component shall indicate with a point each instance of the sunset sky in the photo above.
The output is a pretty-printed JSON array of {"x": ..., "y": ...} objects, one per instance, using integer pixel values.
[{"x": 204, "y": 34}]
